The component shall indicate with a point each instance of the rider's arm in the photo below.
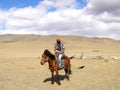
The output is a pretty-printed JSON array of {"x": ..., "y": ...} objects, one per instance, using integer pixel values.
[
  {"x": 63, "y": 48},
  {"x": 55, "y": 48}
]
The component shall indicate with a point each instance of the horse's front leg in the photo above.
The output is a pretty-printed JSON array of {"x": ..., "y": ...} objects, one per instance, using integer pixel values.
[
  {"x": 58, "y": 79},
  {"x": 52, "y": 79}
]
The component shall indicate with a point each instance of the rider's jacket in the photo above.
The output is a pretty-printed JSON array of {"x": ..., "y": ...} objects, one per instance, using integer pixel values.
[{"x": 59, "y": 48}]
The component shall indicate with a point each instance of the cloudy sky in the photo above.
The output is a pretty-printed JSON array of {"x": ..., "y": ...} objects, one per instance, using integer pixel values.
[{"x": 91, "y": 18}]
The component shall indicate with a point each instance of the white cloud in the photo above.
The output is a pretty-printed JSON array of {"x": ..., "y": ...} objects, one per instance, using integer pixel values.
[
  {"x": 100, "y": 18},
  {"x": 101, "y": 6}
]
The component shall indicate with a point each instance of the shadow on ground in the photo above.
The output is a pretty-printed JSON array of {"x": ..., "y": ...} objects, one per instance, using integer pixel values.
[{"x": 56, "y": 79}]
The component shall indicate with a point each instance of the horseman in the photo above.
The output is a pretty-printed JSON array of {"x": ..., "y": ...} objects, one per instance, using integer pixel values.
[{"x": 59, "y": 52}]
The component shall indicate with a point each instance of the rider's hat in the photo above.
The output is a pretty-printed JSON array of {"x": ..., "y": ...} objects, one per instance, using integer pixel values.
[{"x": 58, "y": 39}]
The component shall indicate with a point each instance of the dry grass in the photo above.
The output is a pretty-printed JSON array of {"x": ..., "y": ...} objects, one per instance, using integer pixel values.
[{"x": 20, "y": 68}]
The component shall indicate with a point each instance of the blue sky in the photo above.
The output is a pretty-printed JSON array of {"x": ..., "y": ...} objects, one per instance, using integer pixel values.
[
  {"x": 6, "y": 4},
  {"x": 91, "y": 18}
]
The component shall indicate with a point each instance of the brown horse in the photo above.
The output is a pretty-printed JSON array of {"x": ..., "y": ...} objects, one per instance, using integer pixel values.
[{"x": 47, "y": 56}]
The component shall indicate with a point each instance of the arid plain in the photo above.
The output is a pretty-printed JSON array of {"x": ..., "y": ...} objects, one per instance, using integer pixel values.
[{"x": 20, "y": 67}]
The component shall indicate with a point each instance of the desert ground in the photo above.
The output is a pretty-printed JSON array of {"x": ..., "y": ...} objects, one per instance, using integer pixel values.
[{"x": 20, "y": 67}]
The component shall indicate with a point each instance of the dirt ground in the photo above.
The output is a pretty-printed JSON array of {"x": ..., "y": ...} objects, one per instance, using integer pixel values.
[{"x": 20, "y": 67}]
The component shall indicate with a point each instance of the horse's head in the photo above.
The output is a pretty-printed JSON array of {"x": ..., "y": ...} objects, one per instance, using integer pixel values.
[{"x": 45, "y": 57}]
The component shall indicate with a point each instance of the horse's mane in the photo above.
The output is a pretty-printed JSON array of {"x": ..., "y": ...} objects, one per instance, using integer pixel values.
[{"x": 49, "y": 54}]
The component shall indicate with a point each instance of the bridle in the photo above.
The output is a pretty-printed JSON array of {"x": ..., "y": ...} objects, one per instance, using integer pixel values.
[
  {"x": 45, "y": 59},
  {"x": 46, "y": 56}
]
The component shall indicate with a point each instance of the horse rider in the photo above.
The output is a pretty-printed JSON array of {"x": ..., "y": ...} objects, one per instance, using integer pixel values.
[{"x": 59, "y": 51}]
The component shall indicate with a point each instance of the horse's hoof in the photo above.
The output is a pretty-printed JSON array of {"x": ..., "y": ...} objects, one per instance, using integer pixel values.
[
  {"x": 52, "y": 82},
  {"x": 67, "y": 77},
  {"x": 59, "y": 83}
]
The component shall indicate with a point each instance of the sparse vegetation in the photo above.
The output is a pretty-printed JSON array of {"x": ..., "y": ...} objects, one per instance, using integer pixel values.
[{"x": 20, "y": 68}]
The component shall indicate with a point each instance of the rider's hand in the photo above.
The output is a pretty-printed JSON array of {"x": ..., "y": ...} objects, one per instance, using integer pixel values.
[{"x": 60, "y": 52}]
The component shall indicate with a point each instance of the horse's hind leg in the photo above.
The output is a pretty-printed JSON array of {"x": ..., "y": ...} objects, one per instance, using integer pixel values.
[
  {"x": 66, "y": 74},
  {"x": 69, "y": 70}
]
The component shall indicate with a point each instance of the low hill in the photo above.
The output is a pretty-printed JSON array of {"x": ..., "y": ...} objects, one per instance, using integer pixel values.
[
  {"x": 31, "y": 45},
  {"x": 31, "y": 37}
]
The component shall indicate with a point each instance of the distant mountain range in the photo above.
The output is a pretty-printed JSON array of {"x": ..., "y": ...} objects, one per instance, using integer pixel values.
[{"x": 9, "y": 38}]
